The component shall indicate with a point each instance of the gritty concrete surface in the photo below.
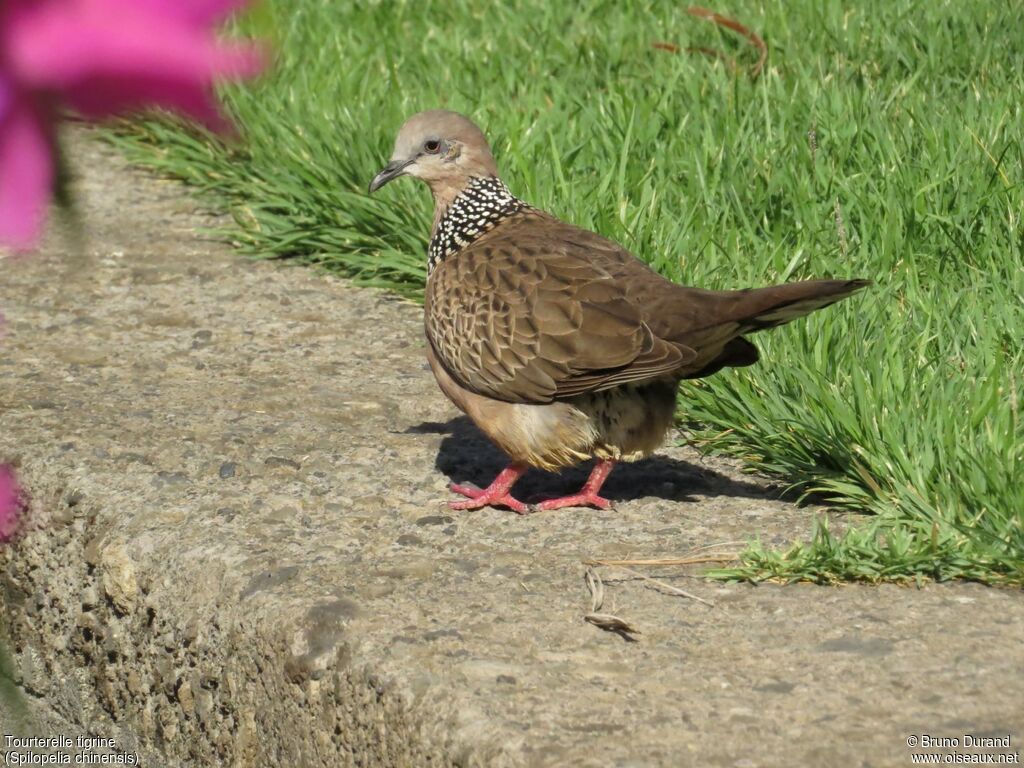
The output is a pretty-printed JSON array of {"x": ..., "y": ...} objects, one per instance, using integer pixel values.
[
  {"x": 241, "y": 553},
  {"x": 32, "y": 732}
]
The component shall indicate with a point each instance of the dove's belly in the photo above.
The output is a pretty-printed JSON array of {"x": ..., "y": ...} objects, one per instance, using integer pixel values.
[
  {"x": 627, "y": 422},
  {"x": 630, "y": 420}
]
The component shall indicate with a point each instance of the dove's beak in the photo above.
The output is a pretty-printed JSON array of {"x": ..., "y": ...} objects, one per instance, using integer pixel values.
[{"x": 392, "y": 170}]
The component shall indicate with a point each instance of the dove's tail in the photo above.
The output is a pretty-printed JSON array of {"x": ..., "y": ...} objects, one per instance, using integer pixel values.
[
  {"x": 738, "y": 313},
  {"x": 762, "y": 308}
]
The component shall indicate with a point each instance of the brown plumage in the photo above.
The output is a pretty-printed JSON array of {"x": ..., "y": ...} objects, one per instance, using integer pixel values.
[{"x": 558, "y": 343}]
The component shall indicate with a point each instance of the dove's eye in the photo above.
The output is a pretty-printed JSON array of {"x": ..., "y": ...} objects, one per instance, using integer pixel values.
[{"x": 432, "y": 146}]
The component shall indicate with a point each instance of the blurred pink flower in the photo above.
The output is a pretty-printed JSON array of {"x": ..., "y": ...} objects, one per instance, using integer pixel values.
[
  {"x": 100, "y": 58},
  {"x": 10, "y": 503}
]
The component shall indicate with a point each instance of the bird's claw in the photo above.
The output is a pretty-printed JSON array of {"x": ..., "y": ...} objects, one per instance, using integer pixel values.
[
  {"x": 477, "y": 498},
  {"x": 469, "y": 491},
  {"x": 576, "y": 500}
]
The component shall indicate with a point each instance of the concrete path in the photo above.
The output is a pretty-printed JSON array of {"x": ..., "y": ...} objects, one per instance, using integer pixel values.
[{"x": 242, "y": 553}]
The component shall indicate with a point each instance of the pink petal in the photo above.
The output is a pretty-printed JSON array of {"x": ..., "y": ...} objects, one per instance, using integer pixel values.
[
  {"x": 196, "y": 12},
  {"x": 10, "y": 503},
  {"x": 6, "y": 96},
  {"x": 26, "y": 174},
  {"x": 101, "y": 97},
  {"x": 187, "y": 93},
  {"x": 142, "y": 60}
]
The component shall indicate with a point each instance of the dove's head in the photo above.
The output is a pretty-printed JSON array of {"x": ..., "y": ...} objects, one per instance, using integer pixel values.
[{"x": 444, "y": 149}]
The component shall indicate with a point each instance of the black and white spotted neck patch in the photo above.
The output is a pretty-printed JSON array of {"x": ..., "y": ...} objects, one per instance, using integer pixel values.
[{"x": 476, "y": 210}]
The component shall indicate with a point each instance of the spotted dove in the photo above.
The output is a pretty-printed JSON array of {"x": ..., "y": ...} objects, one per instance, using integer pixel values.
[{"x": 558, "y": 343}]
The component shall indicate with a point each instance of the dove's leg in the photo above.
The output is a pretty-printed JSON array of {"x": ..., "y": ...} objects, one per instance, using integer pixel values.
[
  {"x": 497, "y": 494},
  {"x": 587, "y": 497}
]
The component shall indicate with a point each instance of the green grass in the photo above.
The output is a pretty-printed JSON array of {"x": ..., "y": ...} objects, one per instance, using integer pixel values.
[{"x": 903, "y": 400}]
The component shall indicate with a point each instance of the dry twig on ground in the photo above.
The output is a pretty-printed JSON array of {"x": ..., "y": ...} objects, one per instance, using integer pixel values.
[
  {"x": 752, "y": 37},
  {"x": 605, "y": 621}
]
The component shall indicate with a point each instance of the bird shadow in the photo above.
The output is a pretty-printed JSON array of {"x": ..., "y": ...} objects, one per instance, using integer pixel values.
[{"x": 467, "y": 456}]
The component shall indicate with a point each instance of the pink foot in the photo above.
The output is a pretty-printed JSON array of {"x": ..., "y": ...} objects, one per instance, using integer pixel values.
[
  {"x": 497, "y": 494},
  {"x": 577, "y": 500},
  {"x": 485, "y": 499},
  {"x": 587, "y": 497},
  {"x": 469, "y": 491}
]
